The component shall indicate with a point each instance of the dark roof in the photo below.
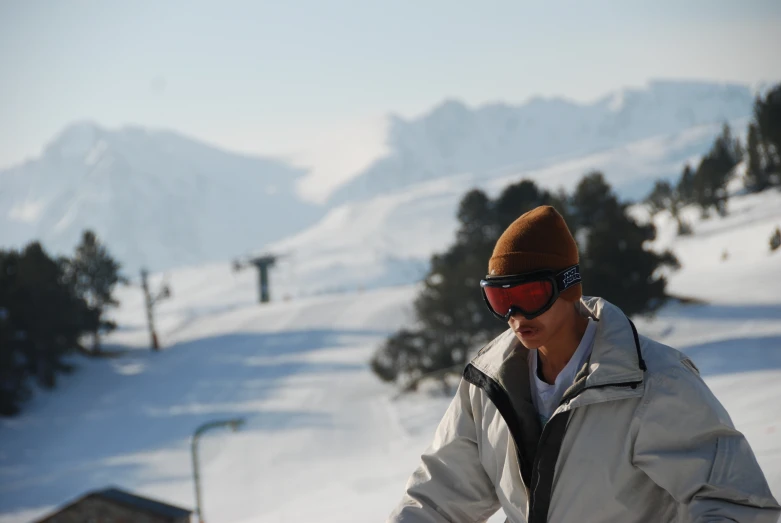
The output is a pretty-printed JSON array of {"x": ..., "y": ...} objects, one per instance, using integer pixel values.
[{"x": 144, "y": 504}]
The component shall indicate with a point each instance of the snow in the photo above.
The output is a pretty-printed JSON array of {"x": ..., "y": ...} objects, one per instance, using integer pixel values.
[
  {"x": 324, "y": 439},
  {"x": 383, "y": 241},
  {"x": 26, "y": 211},
  {"x": 617, "y": 102},
  {"x": 743, "y": 237},
  {"x": 96, "y": 152},
  {"x": 334, "y": 157}
]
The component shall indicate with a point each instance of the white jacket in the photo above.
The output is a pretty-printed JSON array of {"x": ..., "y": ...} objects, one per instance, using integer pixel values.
[{"x": 638, "y": 437}]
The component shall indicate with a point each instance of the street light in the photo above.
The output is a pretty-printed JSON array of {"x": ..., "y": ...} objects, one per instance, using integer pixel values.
[{"x": 234, "y": 425}]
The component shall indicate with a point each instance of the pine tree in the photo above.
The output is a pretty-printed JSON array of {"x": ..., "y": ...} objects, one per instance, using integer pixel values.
[
  {"x": 683, "y": 195},
  {"x": 48, "y": 317},
  {"x": 41, "y": 321},
  {"x": 661, "y": 197},
  {"x": 94, "y": 274},
  {"x": 685, "y": 187},
  {"x": 13, "y": 373},
  {"x": 757, "y": 176},
  {"x": 715, "y": 170},
  {"x": 775, "y": 239},
  {"x": 614, "y": 261},
  {"x": 676, "y": 206},
  {"x": 591, "y": 202},
  {"x": 767, "y": 114}
]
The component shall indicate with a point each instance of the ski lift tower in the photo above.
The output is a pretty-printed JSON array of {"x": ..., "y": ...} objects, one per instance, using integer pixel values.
[{"x": 262, "y": 264}]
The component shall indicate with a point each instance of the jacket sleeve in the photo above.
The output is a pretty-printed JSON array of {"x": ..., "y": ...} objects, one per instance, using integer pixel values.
[
  {"x": 687, "y": 444},
  {"x": 450, "y": 484}
]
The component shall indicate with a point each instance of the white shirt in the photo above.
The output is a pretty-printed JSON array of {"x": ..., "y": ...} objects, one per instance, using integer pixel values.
[{"x": 546, "y": 397}]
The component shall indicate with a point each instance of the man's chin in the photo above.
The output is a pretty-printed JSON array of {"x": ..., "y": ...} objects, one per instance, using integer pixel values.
[{"x": 528, "y": 343}]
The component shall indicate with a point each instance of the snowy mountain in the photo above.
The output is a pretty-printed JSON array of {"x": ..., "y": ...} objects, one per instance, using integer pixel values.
[
  {"x": 325, "y": 440},
  {"x": 156, "y": 198},
  {"x": 456, "y": 139},
  {"x": 389, "y": 238},
  {"x": 162, "y": 200}
]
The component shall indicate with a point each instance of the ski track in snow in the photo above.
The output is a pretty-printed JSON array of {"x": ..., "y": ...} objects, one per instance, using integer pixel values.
[{"x": 324, "y": 439}]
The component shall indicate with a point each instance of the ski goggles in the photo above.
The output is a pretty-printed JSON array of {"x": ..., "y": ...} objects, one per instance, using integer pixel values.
[{"x": 529, "y": 294}]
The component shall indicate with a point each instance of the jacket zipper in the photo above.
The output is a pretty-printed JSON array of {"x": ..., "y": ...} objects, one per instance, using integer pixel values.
[{"x": 541, "y": 447}]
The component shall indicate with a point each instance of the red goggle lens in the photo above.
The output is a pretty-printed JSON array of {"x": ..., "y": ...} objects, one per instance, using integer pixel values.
[{"x": 529, "y": 297}]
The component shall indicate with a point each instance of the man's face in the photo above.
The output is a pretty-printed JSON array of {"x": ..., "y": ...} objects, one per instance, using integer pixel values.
[{"x": 537, "y": 332}]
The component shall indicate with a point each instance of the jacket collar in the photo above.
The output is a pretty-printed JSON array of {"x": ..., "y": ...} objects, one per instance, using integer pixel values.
[{"x": 614, "y": 358}]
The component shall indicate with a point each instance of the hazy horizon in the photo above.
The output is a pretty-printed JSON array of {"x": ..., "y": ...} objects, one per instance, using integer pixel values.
[{"x": 313, "y": 83}]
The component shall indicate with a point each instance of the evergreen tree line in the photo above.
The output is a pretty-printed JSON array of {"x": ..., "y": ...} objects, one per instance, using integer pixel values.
[
  {"x": 706, "y": 186},
  {"x": 49, "y": 308},
  {"x": 451, "y": 317}
]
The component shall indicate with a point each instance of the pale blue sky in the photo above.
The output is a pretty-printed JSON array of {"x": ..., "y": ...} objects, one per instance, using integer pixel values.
[{"x": 278, "y": 76}]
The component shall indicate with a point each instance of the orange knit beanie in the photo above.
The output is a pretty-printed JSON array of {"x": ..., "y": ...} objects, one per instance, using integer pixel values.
[{"x": 537, "y": 240}]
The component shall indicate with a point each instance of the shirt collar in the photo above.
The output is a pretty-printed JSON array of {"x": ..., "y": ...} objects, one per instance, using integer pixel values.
[{"x": 575, "y": 362}]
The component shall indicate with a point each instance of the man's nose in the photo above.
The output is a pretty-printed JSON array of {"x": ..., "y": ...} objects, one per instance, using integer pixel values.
[{"x": 515, "y": 321}]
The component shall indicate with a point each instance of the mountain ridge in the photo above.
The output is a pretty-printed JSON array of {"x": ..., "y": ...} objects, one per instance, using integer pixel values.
[
  {"x": 156, "y": 198},
  {"x": 161, "y": 199},
  {"x": 453, "y": 138}
]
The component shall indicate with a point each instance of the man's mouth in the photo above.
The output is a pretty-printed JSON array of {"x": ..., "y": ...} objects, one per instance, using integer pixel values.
[{"x": 527, "y": 331}]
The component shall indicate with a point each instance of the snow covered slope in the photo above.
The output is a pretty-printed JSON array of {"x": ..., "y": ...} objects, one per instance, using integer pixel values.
[
  {"x": 324, "y": 441},
  {"x": 454, "y": 138},
  {"x": 724, "y": 249},
  {"x": 156, "y": 198},
  {"x": 389, "y": 239}
]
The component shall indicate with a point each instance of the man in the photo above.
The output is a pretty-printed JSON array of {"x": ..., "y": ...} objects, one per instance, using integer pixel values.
[{"x": 571, "y": 417}]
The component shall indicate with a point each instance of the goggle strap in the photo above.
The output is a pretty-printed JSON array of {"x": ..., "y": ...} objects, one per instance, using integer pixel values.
[{"x": 568, "y": 277}]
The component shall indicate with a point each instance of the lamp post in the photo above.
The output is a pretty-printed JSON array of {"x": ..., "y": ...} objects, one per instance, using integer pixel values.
[{"x": 234, "y": 424}]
